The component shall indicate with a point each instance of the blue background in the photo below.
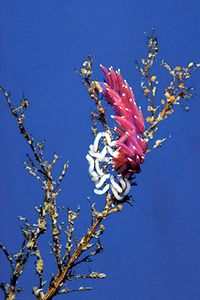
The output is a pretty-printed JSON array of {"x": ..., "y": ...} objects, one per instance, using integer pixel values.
[{"x": 151, "y": 250}]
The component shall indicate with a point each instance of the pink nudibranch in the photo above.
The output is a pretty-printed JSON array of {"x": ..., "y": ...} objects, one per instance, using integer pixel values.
[{"x": 131, "y": 146}]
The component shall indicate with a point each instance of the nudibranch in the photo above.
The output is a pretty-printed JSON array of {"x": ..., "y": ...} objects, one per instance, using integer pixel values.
[
  {"x": 127, "y": 152},
  {"x": 131, "y": 145}
]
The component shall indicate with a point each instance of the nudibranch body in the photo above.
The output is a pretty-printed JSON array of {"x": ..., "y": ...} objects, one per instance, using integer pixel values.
[
  {"x": 131, "y": 146},
  {"x": 113, "y": 163}
]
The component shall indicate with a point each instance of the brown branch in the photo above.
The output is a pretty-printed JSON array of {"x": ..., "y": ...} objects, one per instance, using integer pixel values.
[
  {"x": 93, "y": 91},
  {"x": 54, "y": 216},
  {"x": 32, "y": 234},
  {"x": 63, "y": 273},
  {"x": 93, "y": 88},
  {"x": 25, "y": 251},
  {"x": 160, "y": 117},
  {"x": 175, "y": 93},
  {"x": 23, "y": 130}
]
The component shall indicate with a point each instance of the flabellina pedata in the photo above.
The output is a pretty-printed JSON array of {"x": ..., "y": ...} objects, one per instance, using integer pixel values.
[
  {"x": 113, "y": 162},
  {"x": 131, "y": 146}
]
